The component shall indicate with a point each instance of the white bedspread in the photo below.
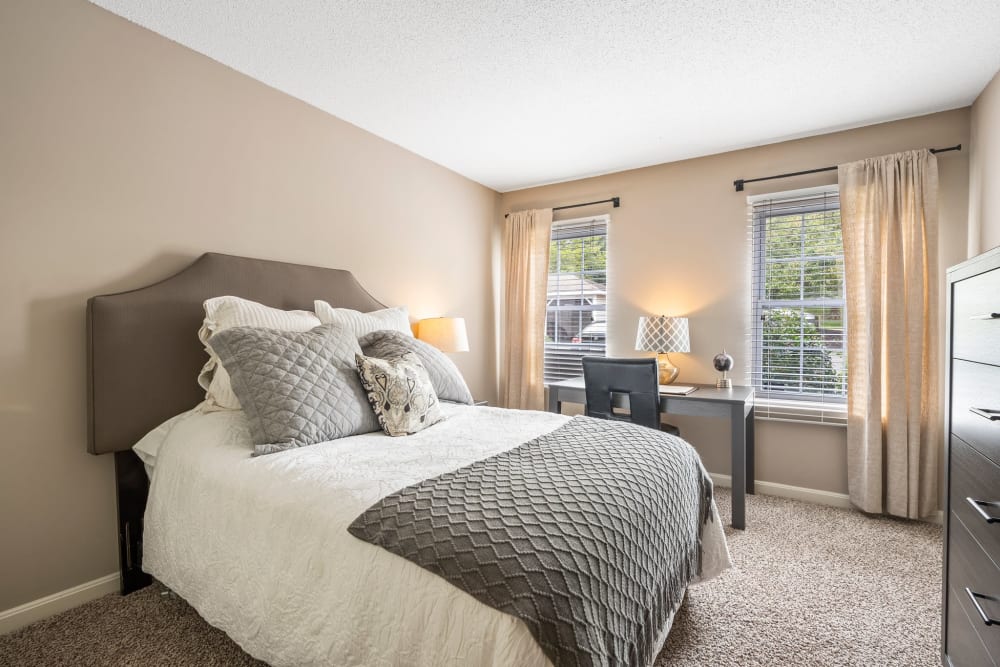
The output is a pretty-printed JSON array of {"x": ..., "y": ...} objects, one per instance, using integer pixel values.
[{"x": 259, "y": 546}]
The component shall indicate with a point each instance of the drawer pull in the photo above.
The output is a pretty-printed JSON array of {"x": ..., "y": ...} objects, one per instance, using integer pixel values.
[
  {"x": 986, "y": 413},
  {"x": 978, "y": 505},
  {"x": 975, "y": 597},
  {"x": 987, "y": 316}
]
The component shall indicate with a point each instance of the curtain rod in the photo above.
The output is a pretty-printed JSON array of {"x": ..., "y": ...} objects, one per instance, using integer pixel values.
[
  {"x": 738, "y": 183},
  {"x": 615, "y": 203}
]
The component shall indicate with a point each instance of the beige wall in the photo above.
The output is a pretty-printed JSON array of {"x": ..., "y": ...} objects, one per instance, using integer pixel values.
[
  {"x": 679, "y": 245},
  {"x": 122, "y": 157},
  {"x": 984, "y": 170},
  {"x": 125, "y": 155}
]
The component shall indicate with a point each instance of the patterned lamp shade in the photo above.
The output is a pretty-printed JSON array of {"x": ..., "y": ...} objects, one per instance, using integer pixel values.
[{"x": 663, "y": 334}]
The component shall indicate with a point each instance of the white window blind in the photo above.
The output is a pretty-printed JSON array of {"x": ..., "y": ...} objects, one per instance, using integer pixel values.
[
  {"x": 576, "y": 299},
  {"x": 798, "y": 328}
]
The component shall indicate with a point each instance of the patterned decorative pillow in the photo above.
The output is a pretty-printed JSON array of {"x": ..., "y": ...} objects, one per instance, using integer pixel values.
[
  {"x": 397, "y": 319},
  {"x": 296, "y": 388},
  {"x": 400, "y": 392},
  {"x": 447, "y": 380}
]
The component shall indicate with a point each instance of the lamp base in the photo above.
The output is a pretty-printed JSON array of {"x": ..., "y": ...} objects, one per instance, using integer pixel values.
[{"x": 668, "y": 372}]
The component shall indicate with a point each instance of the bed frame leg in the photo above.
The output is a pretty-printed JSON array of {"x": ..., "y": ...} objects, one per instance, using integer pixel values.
[{"x": 132, "y": 490}]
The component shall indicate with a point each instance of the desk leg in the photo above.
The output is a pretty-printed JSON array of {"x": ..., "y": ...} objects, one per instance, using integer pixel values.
[
  {"x": 738, "y": 425},
  {"x": 555, "y": 405},
  {"x": 751, "y": 473}
]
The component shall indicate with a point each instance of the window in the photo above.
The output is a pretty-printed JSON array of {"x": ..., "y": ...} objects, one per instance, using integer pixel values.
[
  {"x": 798, "y": 332},
  {"x": 576, "y": 299}
]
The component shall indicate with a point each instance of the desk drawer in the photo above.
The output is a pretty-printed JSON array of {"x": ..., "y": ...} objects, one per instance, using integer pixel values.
[
  {"x": 975, "y": 406},
  {"x": 975, "y": 334},
  {"x": 974, "y": 476},
  {"x": 970, "y": 568}
]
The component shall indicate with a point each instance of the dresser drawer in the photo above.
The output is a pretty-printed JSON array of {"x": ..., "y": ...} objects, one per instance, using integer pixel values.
[
  {"x": 975, "y": 333},
  {"x": 970, "y": 568},
  {"x": 964, "y": 647},
  {"x": 976, "y": 477},
  {"x": 975, "y": 406}
]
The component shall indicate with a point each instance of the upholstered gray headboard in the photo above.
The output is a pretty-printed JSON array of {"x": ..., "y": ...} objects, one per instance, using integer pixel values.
[{"x": 143, "y": 353}]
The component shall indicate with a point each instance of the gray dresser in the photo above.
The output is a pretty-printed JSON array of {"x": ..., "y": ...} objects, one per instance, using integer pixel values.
[{"x": 971, "y": 618}]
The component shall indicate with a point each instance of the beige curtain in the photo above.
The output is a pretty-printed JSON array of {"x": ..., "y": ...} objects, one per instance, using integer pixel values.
[
  {"x": 525, "y": 253},
  {"x": 894, "y": 429}
]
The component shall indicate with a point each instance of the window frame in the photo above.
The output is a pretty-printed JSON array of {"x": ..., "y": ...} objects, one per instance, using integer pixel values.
[
  {"x": 603, "y": 221},
  {"x": 789, "y": 405}
]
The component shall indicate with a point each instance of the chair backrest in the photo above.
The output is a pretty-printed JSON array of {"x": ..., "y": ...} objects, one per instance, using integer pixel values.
[{"x": 605, "y": 377}]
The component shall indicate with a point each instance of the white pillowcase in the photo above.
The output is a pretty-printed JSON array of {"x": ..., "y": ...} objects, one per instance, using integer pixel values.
[
  {"x": 396, "y": 319},
  {"x": 226, "y": 312},
  {"x": 149, "y": 445}
]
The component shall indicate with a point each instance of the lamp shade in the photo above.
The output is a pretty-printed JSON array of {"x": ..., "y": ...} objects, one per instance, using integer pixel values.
[
  {"x": 660, "y": 333},
  {"x": 445, "y": 333}
]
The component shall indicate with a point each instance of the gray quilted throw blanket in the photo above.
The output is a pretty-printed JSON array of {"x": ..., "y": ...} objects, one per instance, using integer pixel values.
[{"x": 589, "y": 534}]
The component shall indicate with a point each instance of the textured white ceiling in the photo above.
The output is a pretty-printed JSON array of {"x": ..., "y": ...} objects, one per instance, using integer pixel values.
[{"x": 519, "y": 92}]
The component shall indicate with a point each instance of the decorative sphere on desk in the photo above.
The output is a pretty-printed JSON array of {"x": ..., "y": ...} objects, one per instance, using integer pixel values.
[{"x": 723, "y": 362}]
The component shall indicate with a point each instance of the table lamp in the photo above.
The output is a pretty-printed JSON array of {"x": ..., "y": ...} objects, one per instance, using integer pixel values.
[
  {"x": 662, "y": 334},
  {"x": 445, "y": 333}
]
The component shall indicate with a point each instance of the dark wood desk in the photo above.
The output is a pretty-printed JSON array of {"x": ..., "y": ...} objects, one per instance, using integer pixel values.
[{"x": 705, "y": 401}]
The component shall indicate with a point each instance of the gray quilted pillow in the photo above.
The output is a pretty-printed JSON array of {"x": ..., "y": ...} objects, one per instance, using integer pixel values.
[
  {"x": 447, "y": 380},
  {"x": 297, "y": 389},
  {"x": 400, "y": 393}
]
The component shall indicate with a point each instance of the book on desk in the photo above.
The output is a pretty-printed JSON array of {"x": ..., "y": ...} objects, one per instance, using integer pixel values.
[{"x": 676, "y": 389}]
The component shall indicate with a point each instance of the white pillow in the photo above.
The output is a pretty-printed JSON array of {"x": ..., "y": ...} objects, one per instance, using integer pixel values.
[
  {"x": 149, "y": 445},
  {"x": 362, "y": 324},
  {"x": 226, "y": 312}
]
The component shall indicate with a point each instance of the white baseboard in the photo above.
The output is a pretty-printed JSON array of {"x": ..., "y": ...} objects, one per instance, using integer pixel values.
[
  {"x": 50, "y": 605},
  {"x": 816, "y": 496}
]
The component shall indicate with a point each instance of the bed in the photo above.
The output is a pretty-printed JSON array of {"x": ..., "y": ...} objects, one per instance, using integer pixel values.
[{"x": 259, "y": 546}]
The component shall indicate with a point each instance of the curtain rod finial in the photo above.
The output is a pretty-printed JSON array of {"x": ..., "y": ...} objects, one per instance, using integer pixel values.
[{"x": 738, "y": 184}]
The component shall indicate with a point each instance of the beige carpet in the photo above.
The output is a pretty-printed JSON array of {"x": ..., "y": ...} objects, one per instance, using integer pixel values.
[
  {"x": 816, "y": 586},
  {"x": 812, "y": 586}
]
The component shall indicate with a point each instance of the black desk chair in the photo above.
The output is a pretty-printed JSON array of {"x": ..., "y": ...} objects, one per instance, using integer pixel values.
[{"x": 603, "y": 378}]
